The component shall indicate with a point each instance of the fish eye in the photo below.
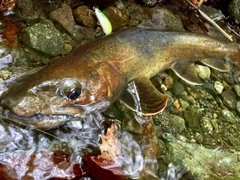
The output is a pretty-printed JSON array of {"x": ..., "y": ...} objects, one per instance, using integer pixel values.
[{"x": 71, "y": 88}]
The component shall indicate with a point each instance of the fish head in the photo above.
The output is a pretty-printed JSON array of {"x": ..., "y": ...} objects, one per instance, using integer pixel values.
[{"x": 61, "y": 92}]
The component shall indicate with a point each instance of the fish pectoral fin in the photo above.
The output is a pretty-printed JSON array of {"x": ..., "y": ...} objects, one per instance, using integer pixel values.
[
  {"x": 187, "y": 72},
  {"x": 216, "y": 63},
  {"x": 151, "y": 101}
]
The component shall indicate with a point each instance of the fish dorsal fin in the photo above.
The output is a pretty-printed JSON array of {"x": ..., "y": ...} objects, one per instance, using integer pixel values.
[
  {"x": 187, "y": 72},
  {"x": 150, "y": 99},
  {"x": 216, "y": 63}
]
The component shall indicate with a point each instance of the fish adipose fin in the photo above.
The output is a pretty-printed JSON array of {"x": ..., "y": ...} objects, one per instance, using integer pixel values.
[
  {"x": 216, "y": 63},
  {"x": 187, "y": 72},
  {"x": 150, "y": 100}
]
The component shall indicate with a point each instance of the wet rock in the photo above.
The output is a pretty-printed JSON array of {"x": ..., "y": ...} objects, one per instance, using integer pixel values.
[
  {"x": 4, "y": 74},
  {"x": 118, "y": 17},
  {"x": 237, "y": 89},
  {"x": 204, "y": 72},
  {"x": 43, "y": 37},
  {"x": 209, "y": 87},
  {"x": 228, "y": 116},
  {"x": 192, "y": 119},
  {"x": 234, "y": 10},
  {"x": 177, "y": 123},
  {"x": 206, "y": 125},
  {"x": 64, "y": 17},
  {"x": 29, "y": 9},
  {"x": 238, "y": 106},
  {"x": 136, "y": 14},
  {"x": 184, "y": 104},
  {"x": 66, "y": 48},
  {"x": 84, "y": 17},
  {"x": 83, "y": 33},
  {"x": 218, "y": 87},
  {"x": 229, "y": 99},
  {"x": 165, "y": 19},
  {"x": 178, "y": 88},
  {"x": 168, "y": 82}
]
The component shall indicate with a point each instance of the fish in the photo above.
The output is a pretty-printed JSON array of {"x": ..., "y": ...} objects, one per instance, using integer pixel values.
[{"x": 94, "y": 76}]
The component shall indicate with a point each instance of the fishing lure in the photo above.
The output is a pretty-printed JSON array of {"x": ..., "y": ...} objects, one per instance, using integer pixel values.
[{"x": 103, "y": 21}]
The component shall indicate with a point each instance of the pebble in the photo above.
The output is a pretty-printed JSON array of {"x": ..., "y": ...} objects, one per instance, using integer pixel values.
[
  {"x": 229, "y": 99},
  {"x": 178, "y": 88},
  {"x": 204, "y": 72},
  {"x": 192, "y": 119},
  {"x": 237, "y": 89},
  {"x": 206, "y": 125},
  {"x": 238, "y": 106},
  {"x": 168, "y": 82},
  {"x": 228, "y": 116},
  {"x": 218, "y": 86},
  {"x": 177, "y": 123},
  {"x": 184, "y": 104}
]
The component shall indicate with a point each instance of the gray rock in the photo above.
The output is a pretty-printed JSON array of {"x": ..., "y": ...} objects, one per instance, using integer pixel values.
[
  {"x": 234, "y": 9},
  {"x": 64, "y": 17},
  {"x": 43, "y": 37}
]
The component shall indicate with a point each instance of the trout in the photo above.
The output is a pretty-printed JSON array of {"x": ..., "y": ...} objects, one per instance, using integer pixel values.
[{"x": 95, "y": 75}]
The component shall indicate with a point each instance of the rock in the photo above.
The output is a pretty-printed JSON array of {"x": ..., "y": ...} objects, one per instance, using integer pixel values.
[
  {"x": 218, "y": 87},
  {"x": 178, "y": 88},
  {"x": 229, "y": 99},
  {"x": 83, "y": 33},
  {"x": 237, "y": 89},
  {"x": 84, "y": 17},
  {"x": 206, "y": 125},
  {"x": 234, "y": 9},
  {"x": 29, "y": 9},
  {"x": 204, "y": 72},
  {"x": 228, "y": 116},
  {"x": 64, "y": 17},
  {"x": 184, "y": 104},
  {"x": 168, "y": 82},
  {"x": 4, "y": 74},
  {"x": 192, "y": 119},
  {"x": 214, "y": 14},
  {"x": 238, "y": 106},
  {"x": 177, "y": 123},
  {"x": 43, "y": 37},
  {"x": 118, "y": 17},
  {"x": 136, "y": 14},
  {"x": 165, "y": 19}
]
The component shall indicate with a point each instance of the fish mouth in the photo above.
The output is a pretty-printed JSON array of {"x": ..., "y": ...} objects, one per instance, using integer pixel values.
[{"x": 38, "y": 120}]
